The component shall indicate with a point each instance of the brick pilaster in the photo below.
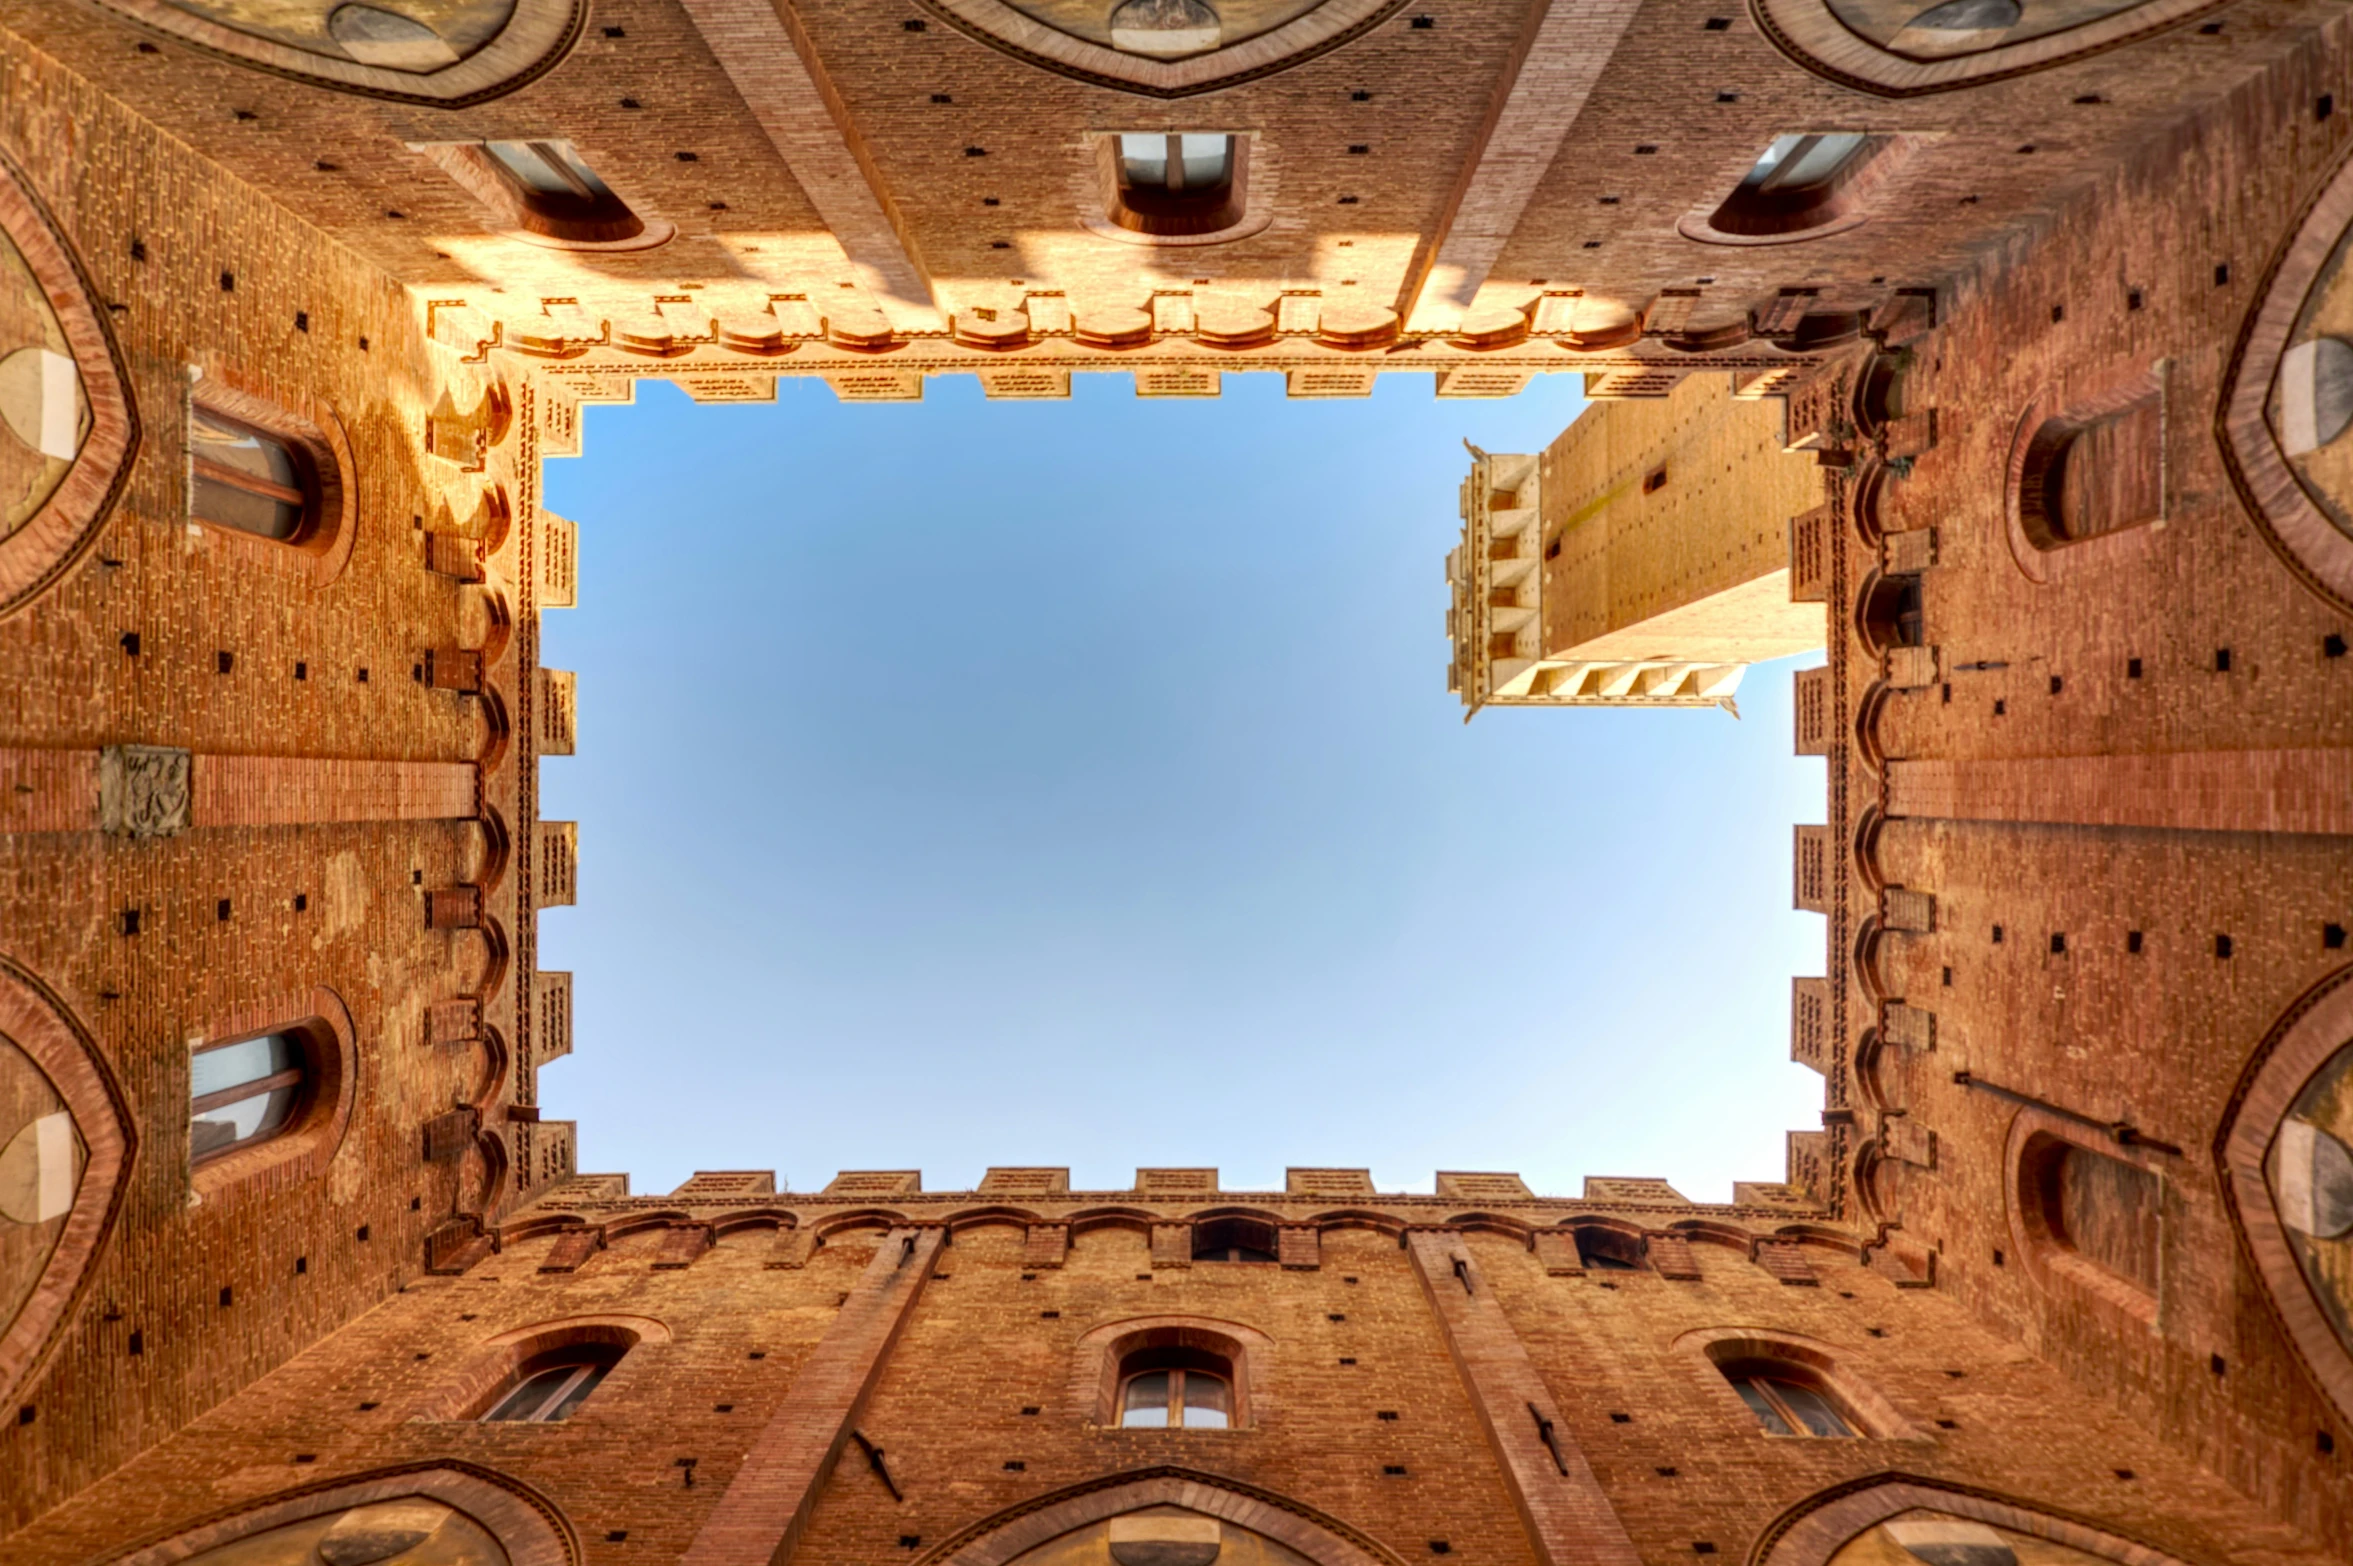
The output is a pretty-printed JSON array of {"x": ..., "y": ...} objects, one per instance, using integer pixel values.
[
  {"x": 760, "y": 1518},
  {"x": 1568, "y": 1517}
]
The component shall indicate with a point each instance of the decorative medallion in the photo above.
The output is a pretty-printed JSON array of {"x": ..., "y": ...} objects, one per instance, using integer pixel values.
[
  {"x": 1899, "y": 48},
  {"x": 1164, "y": 48},
  {"x": 431, "y": 51}
]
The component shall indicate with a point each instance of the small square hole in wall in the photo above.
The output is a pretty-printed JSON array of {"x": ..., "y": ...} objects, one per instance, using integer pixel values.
[
  {"x": 1621, "y": 1419},
  {"x": 1030, "y": 1411},
  {"x": 416, "y": 878},
  {"x": 1717, "y": 24},
  {"x": 2058, "y": 314},
  {"x": 1335, "y": 1316},
  {"x": 1393, "y": 1470},
  {"x": 228, "y": 1296},
  {"x": 2126, "y": 1474},
  {"x": 2058, "y": 943},
  {"x": 220, "y": 910},
  {"x": 363, "y": 676},
  {"x": 130, "y": 921},
  {"x": 1015, "y": 1465},
  {"x": 910, "y": 1541},
  {"x": 1386, "y": 1414},
  {"x": 2332, "y": 936},
  {"x": 2323, "y": 1442},
  {"x": 1440, "y": 1547},
  {"x": 302, "y": 671},
  {"x": 1666, "y": 1473},
  {"x": 1702, "y": 1547},
  {"x": 1948, "y": 978},
  {"x": 1346, "y": 1361},
  {"x": 361, "y": 1234},
  {"x": 129, "y": 642},
  {"x": 2222, "y": 274},
  {"x": 2217, "y": 1364},
  {"x": 2000, "y": 1259},
  {"x": 2222, "y": 946},
  {"x": 2000, "y": 706},
  {"x": 757, "y": 1354},
  {"x": 1049, "y": 1315},
  {"x": 1997, "y": 935},
  {"x": 2133, "y": 299},
  {"x": 2222, "y": 660},
  {"x": 2057, "y": 684},
  {"x": 2132, "y": 941},
  {"x": 2132, "y": 668},
  {"x": 1143, "y": 1277},
  {"x": 722, "y": 1408},
  {"x": 223, "y": 662},
  {"x": 2324, "y": 106}
]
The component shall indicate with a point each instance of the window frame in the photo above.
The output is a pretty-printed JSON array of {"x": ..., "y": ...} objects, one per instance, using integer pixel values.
[
  {"x": 1730, "y": 1354},
  {"x": 308, "y": 496},
  {"x": 2051, "y": 1259},
  {"x": 589, "y": 1361},
  {"x": 309, "y": 430},
  {"x": 1766, "y": 1380},
  {"x": 1246, "y": 207},
  {"x": 516, "y": 210},
  {"x": 310, "y": 1137},
  {"x": 305, "y": 1077},
  {"x": 1178, "y": 1405},
  {"x": 1754, "y": 210}
]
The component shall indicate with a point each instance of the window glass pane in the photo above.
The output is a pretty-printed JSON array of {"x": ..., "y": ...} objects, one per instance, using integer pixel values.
[
  {"x": 531, "y": 165},
  {"x": 246, "y": 1120},
  {"x": 1144, "y": 159},
  {"x": 1770, "y": 163},
  {"x": 236, "y": 1064},
  {"x": 1817, "y": 163},
  {"x": 1205, "y": 1401},
  {"x": 233, "y": 446},
  {"x": 225, "y": 505},
  {"x": 1208, "y": 161},
  {"x": 571, "y": 1398},
  {"x": 1147, "y": 1401},
  {"x": 531, "y": 1394},
  {"x": 1812, "y": 1409},
  {"x": 1762, "y": 1406}
]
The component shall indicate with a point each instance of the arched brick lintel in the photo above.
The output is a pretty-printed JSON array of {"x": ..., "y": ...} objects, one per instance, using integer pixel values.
[
  {"x": 2298, "y": 531},
  {"x": 37, "y": 556},
  {"x": 2304, "y": 1039},
  {"x": 1323, "y": 1540},
  {"x": 41, "y": 1025},
  {"x": 526, "y": 1524},
  {"x": 1815, "y": 1529}
]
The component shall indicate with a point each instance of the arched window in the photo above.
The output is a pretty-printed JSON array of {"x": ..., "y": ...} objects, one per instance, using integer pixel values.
[
  {"x": 1176, "y": 1388},
  {"x": 1606, "y": 1250},
  {"x": 250, "y": 480},
  {"x": 550, "y": 1387},
  {"x": 1176, "y": 183},
  {"x": 558, "y": 196},
  {"x": 247, "y": 1091},
  {"x": 2086, "y": 476},
  {"x": 2097, "y": 1209},
  {"x": 1788, "y": 1399},
  {"x": 1233, "y": 1240},
  {"x": 1891, "y": 613},
  {"x": 1803, "y": 181}
]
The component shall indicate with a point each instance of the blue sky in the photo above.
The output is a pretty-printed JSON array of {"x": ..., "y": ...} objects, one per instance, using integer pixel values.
[{"x": 975, "y": 783}]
